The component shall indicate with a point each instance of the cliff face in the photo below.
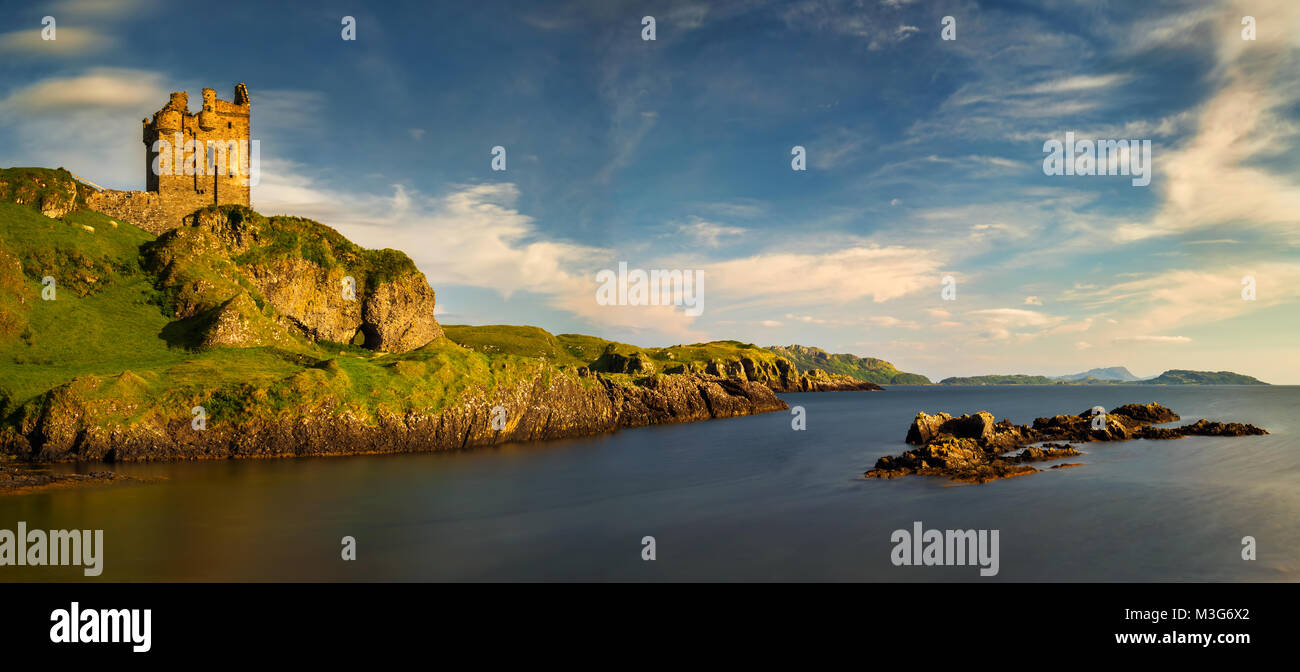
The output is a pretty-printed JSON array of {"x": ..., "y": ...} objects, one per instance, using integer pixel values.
[{"x": 782, "y": 376}]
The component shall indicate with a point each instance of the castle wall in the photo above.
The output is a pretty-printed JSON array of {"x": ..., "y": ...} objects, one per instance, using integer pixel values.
[{"x": 145, "y": 209}]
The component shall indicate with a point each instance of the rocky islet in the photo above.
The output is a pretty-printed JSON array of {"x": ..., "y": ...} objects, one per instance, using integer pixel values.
[{"x": 975, "y": 448}]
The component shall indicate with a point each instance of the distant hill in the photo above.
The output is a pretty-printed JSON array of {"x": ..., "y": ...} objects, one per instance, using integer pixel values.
[
  {"x": 1171, "y": 377},
  {"x": 1185, "y": 377},
  {"x": 1010, "y": 379},
  {"x": 870, "y": 369},
  {"x": 1110, "y": 373}
]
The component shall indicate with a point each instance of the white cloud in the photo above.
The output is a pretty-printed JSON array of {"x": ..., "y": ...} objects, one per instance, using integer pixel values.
[
  {"x": 892, "y": 322},
  {"x": 1005, "y": 323},
  {"x": 1179, "y": 299},
  {"x": 849, "y": 18},
  {"x": 839, "y": 276},
  {"x": 1153, "y": 339},
  {"x": 99, "y": 9},
  {"x": 88, "y": 123},
  {"x": 1076, "y": 83},
  {"x": 737, "y": 208},
  {"x": 708, "y": 234},
  {"x": 1015, "y": 317},
  {"x": 1215, "y": 178},
  {"x": 69, "y": 41},
  {"x": 1033, "y": 301},
  {"x": 100, "y": 90}
]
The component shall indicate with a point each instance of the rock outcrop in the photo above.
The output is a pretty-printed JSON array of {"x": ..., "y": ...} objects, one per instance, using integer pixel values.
[
  {"x": 974, "y": 448},
  {"x": 73, "y": 425},
  {"x": 24, "y": 478},
  {"x": 316, "y": 284},
  {"x": 397, "y": 316},
  {"x": 54, "y": 193}
]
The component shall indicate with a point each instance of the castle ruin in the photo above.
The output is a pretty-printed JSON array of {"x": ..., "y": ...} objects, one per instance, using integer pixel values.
[{"x": 191, "y": 161}]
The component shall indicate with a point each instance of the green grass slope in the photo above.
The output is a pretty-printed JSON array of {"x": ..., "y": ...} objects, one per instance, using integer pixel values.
[{"x": 599, "y": 354}]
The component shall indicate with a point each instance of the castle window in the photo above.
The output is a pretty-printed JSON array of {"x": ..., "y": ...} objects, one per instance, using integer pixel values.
[{"x": 228, "y": 125}]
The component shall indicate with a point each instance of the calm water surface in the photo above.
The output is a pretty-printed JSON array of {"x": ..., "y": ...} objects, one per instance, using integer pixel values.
[{"x": 744, "y": 499}]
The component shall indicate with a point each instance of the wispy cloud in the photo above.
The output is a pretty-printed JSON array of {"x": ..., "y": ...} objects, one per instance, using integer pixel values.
[{"x": 709, "y": 234}]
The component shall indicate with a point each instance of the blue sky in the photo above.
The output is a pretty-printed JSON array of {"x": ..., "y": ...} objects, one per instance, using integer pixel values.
[{"x": 924, "y": 160}]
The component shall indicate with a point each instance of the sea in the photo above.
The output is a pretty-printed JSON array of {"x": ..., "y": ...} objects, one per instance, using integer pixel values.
[{"x": 736, "y": 500}]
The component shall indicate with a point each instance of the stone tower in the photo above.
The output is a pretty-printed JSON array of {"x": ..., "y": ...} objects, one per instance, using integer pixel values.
[
  {"x": 191, "y": 161},
  {"x": 217, "y": 138}
]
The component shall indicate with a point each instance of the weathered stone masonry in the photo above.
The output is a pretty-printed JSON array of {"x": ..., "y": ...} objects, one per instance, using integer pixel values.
[{"x": 169, "y": 197}]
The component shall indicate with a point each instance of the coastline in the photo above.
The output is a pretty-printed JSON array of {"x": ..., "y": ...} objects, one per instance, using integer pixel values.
[{"x": 559, "y": 410}]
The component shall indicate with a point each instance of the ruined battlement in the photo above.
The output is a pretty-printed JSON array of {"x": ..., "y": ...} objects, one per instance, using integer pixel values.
[{"x": 192, "y": 160}]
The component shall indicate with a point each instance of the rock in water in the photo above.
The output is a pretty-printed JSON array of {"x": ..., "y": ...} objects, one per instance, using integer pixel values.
[{"x": 972, "y": 448}]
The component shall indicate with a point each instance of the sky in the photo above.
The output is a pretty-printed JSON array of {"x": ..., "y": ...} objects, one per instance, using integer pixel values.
[{"x": 924, "y": 161}]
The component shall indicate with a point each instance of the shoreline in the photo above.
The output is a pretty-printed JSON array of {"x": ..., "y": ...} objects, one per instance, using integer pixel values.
[{"x": 30, "y": 478}]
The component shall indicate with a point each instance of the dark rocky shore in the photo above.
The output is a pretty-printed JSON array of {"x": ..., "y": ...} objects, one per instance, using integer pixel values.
[
  {"x": 975, "y": 449},
  {"x": 23, "y": 478},
  {"x": 549, "y": 407}
]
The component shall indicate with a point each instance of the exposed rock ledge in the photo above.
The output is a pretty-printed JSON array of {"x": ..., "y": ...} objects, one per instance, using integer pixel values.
[
  {"x": 547, "y": 407},
  {"x": 975, "y": 449},
  {"x": 25, "y": 478}
]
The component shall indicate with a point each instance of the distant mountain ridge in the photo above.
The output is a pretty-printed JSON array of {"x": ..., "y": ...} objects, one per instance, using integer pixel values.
[
  {"x": 869, "y": 369},
  {"x": 1170, "y": 377},
  {"x": 1109, "y": 373}
]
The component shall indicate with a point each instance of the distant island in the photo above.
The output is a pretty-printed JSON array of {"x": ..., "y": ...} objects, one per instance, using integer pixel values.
[
  {"x": 1110, "y": 373},
  {"x": 881, "y": 372},
  {"x": 1170, "y": 377}
]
